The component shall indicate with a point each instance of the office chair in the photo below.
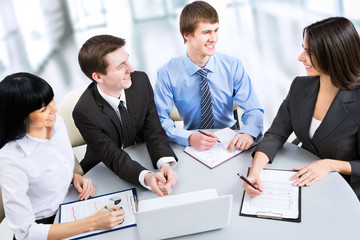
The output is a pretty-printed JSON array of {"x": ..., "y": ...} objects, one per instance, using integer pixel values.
[
  {"x": 65, "y": 109},
  {"x": 236, "y": 115},
  {"x": 174, "y": 115}
]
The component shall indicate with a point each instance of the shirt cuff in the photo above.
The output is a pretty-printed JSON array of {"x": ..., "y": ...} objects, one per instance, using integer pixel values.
[
  {"x": 170, "y": 160},
  {"x": 252, "y": 131},
  {"x": 142, "y": 178},
  {"x": 183, "y": 138}
]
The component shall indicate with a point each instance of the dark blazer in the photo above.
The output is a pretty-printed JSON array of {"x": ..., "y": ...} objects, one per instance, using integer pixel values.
[
  {"x": 101, "y": 128},
  {"x": 338, "y": 136}
]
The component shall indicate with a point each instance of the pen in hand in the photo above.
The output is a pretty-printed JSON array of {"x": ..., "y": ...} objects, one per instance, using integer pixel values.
[
  {"x": 247, "y": 181},
  {"x": 202, "y": 132},
  {"x": 107, "y": 208}
]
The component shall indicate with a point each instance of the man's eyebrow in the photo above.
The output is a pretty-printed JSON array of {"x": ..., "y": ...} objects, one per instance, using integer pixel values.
[{"x": 123, "y": 62}]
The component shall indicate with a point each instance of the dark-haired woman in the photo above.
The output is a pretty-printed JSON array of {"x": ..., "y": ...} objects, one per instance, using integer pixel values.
[
  {"x": 36, "y": 163},
  {"x": 322, "y": 109}
]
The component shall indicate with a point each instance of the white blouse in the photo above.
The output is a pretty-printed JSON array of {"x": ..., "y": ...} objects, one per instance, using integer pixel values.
[
  {"x": 35, "y": 177},
  {"x": 313, "y": 127}
]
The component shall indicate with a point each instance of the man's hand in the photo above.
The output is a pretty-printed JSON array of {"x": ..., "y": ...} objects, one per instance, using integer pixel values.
[
  {"x": 201, "y": 142},
  {"x": 154, "y": 180},
  {"x": 241, "y": 141},
  {"x": 170, "y": 176}
]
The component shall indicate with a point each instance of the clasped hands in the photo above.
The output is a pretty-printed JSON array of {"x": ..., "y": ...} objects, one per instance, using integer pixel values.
[
  {"x": 202, "y": 142},
  {"x": 162, "y": 182}
]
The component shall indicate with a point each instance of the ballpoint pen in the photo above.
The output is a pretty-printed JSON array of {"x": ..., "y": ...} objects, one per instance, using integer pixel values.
[
  {"x": 107, "y": 208},
  {"x": 247, "y": 181},
  {"x": 206, "y": 134}
]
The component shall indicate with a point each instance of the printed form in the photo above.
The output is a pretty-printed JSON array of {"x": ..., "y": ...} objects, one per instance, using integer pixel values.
[{"x": 280, "y": 198}]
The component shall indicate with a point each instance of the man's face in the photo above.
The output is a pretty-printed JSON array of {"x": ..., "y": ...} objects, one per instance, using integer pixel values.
[
  {"x": 203, "y": 41},
  {"x": 118, "y": 72}
]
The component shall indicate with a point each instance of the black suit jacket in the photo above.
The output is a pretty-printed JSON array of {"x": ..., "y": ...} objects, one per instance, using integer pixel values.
[
  {"x": 101, "y": 128},
  {"x": 338, "y": 136}
]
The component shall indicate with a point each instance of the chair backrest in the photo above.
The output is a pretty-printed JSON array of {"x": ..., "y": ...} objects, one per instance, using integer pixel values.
[
  {"x": 65, "y": 109},
  {"x": 174, "y": 115}
]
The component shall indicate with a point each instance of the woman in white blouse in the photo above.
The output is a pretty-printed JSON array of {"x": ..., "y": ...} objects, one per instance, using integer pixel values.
[
  {"x": 36, "y": 163},
  {"x": 322, "y": 109}
]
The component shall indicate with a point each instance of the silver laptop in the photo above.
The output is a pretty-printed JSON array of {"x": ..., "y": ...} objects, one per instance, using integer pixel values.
[{"x": 172, "y": 220}]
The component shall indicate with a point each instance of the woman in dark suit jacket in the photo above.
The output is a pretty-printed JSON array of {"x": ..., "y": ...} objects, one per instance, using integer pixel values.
[{"x": 322, "y": 109}]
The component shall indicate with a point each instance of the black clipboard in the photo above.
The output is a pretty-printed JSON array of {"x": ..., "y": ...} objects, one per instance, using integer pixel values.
[
  {"x": 270, "y": 215},
  {"x": 134, "y": 207}
]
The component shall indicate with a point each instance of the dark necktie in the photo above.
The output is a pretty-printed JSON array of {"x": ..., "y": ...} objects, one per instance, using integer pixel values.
[
  {"x": 127, "y": 126},
  {"x": 207, "y": 118}
]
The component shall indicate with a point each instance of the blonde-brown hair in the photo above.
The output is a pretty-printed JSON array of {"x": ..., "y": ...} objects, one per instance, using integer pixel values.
[{"x": 195, "y": 12}]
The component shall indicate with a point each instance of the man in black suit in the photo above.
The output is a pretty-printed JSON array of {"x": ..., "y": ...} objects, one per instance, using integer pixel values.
[{"x": 103, "y": 123}]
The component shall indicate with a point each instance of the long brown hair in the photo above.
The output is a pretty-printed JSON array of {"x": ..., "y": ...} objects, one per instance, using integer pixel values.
[{"x": 334, "y": 47}]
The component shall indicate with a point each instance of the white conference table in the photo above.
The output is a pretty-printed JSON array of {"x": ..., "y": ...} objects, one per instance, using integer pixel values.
[{"x": 329, "y": 209}]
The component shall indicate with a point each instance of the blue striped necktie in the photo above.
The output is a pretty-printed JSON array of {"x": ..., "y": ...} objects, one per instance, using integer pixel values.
[
  {"x": 127, "y": 126},
  {"x": 207, "y": 118}
]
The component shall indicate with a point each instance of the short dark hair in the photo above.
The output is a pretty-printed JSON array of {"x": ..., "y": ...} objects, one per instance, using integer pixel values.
[
  {"x": 195, "y": 12},
  {"x": 20, "y": 94},
  {"x": 92, "y": 53},
  {"x": 334, "y": 47}
]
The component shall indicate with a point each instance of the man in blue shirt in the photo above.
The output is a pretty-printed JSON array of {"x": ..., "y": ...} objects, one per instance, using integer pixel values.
[{"x": 178, "y": 82}]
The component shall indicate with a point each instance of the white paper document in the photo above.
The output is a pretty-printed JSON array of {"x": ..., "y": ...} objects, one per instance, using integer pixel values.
[
  {"x": 218, "y": 153},
  {"x": 279, "y": 200},
  {"x": 73, "y": 211}
]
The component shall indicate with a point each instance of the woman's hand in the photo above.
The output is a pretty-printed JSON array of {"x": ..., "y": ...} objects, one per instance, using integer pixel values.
[
  {"x": 106, "y": 219},
  {"x": 84, "y": 186},
  {"x": 250, "y": 190},
  {"x": 311, "y": 173}
]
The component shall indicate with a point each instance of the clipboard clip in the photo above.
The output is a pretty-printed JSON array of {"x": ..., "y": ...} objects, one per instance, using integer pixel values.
[
  {"x": 134, "y": 204},
  {"x": 269, "y": 214}
]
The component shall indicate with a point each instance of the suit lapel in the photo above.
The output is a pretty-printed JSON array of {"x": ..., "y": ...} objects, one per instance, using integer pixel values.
[
  {"x": 107, "y": 109},
  {"x": 336, "y": 114},
  {"x": 306, "y": 109}
]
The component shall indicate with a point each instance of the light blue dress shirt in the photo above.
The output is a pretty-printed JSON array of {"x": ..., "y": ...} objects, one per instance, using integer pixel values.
[{"x": 178, "y": 83}]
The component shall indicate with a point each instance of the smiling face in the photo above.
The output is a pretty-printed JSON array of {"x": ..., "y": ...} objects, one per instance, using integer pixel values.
[
  {"x": 41, "y": 119},
  {"x": 201, "y": 44},
  {"x": 305, "y": 58},
  {"x": 117, "y": 75}
]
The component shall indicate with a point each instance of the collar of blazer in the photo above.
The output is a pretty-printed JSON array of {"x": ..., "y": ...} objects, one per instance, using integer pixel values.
[
  {"x": 336, "y": 114},
  {"x": 106, "y": 108}
]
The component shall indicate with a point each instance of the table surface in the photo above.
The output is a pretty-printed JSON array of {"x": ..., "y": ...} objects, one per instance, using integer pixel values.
[{"x": 330, "y": 209}]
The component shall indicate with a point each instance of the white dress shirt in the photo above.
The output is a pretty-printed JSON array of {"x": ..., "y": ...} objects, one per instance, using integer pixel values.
[
  {"x": 314, "y": 125},
  {"x": 114, "y": 103},
  {"x": 35, "y": 177}
]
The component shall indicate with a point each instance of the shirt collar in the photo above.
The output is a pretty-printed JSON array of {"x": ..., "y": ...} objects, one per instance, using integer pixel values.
[
  {"x": 192, "y": 68},
  {"x": 114, "y": 102},
  {"x": 28, "y": 143}
]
